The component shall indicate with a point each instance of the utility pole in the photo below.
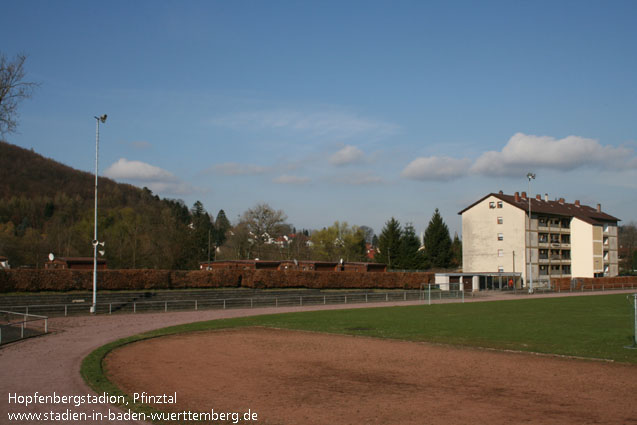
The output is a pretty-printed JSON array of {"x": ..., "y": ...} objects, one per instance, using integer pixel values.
[
  {"x": 95, "y": 241},
  {"x": 528, "y": 196}
]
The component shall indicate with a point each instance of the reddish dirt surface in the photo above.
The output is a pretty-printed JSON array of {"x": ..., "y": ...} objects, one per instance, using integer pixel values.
[{"x": 294, "y": 377}]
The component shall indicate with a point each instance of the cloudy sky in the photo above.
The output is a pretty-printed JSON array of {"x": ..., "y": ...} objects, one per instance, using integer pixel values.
[{"x": 337, "y": 110}]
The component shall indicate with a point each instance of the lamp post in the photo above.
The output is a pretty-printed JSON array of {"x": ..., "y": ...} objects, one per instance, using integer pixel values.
[
  {"x": 95, "y": 241},
  {"x": 530, "y": 176}
]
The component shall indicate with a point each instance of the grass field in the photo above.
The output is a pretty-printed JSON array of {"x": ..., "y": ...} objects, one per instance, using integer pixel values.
[{"x": 597, "y": 327}]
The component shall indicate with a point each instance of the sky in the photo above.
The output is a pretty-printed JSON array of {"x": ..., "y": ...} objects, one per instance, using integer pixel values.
[{"x": 354, "y": 111}]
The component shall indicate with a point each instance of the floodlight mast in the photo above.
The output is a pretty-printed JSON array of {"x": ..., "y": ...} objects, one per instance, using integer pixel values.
[
  {"x": 530, "y": 176},
  {"x": 95, "y": 241}
]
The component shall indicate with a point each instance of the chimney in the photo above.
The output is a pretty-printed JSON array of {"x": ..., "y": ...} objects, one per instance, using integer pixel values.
[
  {"x": 561, "y": 201},
  {"x": 599, "y": 207},
  {"x": 546, "y": 197},
  {"x": 577, "y": 202},
  {"x": 523, "y": 195},
  {"x": 517, "y": 197},
  {"x": 538, "y": 197},
  {"x": 501, "y": 193}
]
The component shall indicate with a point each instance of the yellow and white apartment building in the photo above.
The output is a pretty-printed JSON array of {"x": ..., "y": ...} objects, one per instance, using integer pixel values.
[{"x": 561, "y": 239}]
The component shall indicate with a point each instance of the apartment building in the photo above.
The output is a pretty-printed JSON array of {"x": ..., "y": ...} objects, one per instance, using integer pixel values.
[{"x": 560, "y": 240}]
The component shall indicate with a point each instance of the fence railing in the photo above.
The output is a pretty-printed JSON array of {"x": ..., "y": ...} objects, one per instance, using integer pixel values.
[
  {"x": 15, "y": 325},
  {"x": 128, "y": 306},
  {"x": 433, "y": 293}
]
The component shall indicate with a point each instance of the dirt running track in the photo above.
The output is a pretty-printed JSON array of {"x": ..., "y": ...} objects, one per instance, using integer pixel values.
[{"x": 593, "y": 392}]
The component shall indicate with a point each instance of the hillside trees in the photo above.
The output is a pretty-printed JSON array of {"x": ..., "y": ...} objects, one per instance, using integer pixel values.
[{"x": 339, "y": 241}]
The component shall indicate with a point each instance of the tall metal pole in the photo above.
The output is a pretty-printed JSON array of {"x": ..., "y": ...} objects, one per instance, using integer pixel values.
[
  {"x": 528, "y": 196},
  {"x": 95, "y": 241}
]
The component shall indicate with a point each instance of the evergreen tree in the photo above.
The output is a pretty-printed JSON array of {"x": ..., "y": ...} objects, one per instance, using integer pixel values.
[
  {"x": 456, "y": 251},
  {"x": 389, "y": 243},
  {"x": 437, "y": 243},
  {"x": 222, "y": 225},
  {"x": 410, "y": 256}
]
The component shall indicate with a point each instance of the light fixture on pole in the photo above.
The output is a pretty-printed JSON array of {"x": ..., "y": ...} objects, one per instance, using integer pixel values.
[
  {"x": 95, "y": 241},
  {"x": 530, "y": 176}
]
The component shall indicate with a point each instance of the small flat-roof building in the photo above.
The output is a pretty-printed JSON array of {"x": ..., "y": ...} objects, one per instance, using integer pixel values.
[{"x": 75, "y": 263}]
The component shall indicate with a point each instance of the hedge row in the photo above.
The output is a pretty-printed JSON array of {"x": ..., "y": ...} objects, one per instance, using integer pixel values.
[
  {"x": 589, "y": 283},
  {"x": 70, "y": 280}
]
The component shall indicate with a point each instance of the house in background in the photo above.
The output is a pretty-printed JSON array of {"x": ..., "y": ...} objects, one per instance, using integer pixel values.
[{"x": 560, "y": 240}]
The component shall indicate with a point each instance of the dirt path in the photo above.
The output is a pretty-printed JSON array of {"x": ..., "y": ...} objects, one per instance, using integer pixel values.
[
  {"x": 296, "y": 377},
  {"x": 51, "y": 364}
]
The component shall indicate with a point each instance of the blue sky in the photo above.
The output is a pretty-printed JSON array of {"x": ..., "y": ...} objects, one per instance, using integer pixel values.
[{"x": 354, "y": 111}]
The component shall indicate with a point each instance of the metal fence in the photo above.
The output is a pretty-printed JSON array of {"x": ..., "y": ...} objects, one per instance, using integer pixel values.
[
  {"x": 15, "y": 326},
  {"x": 128, "y": 306},
  {"x": 433, "y": 293}
]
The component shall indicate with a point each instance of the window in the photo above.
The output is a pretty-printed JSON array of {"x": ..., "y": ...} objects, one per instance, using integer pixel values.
[
  {"x": 500, "y": 236},
  {"x": 500, "y": 253},
  {"x": 491, "y": 204},
  {"x": 500, "y": 220},
  {"x": 500, "y": 269},
  {"x": 499, "y": 204}
]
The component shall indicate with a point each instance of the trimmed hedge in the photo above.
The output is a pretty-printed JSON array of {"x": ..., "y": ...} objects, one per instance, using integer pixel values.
[
  {"x": 29, "y": 280},
  {"x": 589, "y": 283}
]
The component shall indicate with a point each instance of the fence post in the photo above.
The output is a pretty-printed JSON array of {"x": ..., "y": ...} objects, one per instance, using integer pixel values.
[
  {"x": 110, "y": 308},
  {"x": 345, "y": 299},
  {"x": 405, "y": 297},
  {"x": 22, "y": 330},
  {"x": 46, "y": 326},
  {"x": 324, "y": 299},
  {"x": 65, "y": 310},
  {"x": 224, "y": 303},
  {"x": 386, "y": 296},
  {"x": 134, "y": 307},
  {"x": 251, "y": 302},
  {"x": 429, "y": 293},
  {"x": 195, "y": 305},
  {"x": 165, "y": 306},
  {"x": 366, "y": 297},
  {"x": 462, "y": 297},
  {"x": 301, "y": 301},
  {"x": 276, "y": 302}
]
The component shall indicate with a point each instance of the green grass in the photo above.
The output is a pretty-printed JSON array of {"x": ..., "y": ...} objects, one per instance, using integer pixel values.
[{"x": 596, "y": 327}]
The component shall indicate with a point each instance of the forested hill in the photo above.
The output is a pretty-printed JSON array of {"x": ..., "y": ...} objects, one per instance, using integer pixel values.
[
  {"x": 30, "y": 175},
  {"x": 46, "y": 206}
]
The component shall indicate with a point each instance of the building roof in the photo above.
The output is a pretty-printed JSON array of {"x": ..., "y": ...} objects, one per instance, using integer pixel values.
[
  {"x": 77, "y": 260},
  {"x": 559, "y": 207}
]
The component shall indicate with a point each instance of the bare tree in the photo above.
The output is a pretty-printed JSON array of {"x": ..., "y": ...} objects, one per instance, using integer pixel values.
[
  {"x": 13, "y": 89},
  {"x": 265, "y": 224}
]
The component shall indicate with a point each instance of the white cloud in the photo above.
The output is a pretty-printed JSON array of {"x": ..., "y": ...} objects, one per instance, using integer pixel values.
[
  {"x": 525, "y": 152},
  {"x": 136, "y": 170},
  {"x": 438, "y": 168},
  {"x": 143, "y": 174},
  {"x": 330, "y": 123},
  {"x": 348, "y": 155},
  {"x": 236, "y": 169},
  {"x": 289, "y": 179}
]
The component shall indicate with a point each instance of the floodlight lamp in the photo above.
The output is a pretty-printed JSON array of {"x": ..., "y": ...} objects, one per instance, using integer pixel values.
[
  {"x": 530, "y": 176},
  {"x": 102, "y": 118}
]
